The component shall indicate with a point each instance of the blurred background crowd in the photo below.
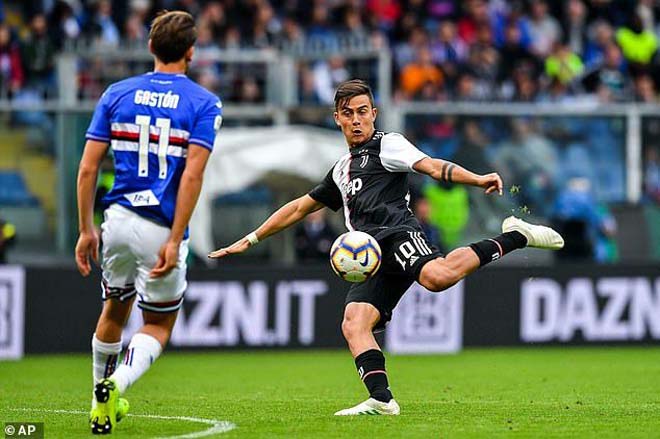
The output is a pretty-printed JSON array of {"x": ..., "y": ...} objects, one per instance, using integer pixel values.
[
  {"x": 569, "y": 170},
  {"x": 471, "y": 50}
]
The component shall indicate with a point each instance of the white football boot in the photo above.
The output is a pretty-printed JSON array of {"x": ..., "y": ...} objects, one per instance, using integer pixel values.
[
  {"x": 372, "y": 407},
  {"x": 537, "y": 236}
]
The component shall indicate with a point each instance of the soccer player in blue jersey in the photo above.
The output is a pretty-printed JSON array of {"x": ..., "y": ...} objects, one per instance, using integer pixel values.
[{"x": 161, "y": 127}]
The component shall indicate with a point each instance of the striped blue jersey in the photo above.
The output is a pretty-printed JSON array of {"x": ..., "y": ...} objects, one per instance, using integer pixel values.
[{"x": 149, "y": 121}]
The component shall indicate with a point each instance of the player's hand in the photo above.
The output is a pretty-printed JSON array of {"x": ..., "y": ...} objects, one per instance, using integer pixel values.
[
  {"x": 491, "y": 183},
  {"x": 87, "y": 247},
  {"x": 238, "y": 247},
  {"x": 168, "y": 258}
]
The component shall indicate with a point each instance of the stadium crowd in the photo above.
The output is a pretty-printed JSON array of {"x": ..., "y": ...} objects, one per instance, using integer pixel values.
[{"x": 472, "y": 50}]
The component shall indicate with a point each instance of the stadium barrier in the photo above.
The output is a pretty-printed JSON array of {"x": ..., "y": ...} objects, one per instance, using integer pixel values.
[{"x": 272, "y": 307}]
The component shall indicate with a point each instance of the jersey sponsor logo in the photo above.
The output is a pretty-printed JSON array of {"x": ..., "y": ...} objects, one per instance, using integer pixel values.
[
  {"x": 354, "y": 186},
  {"x": 156, "y": 99},
  {"x": 142, "y": 198}
]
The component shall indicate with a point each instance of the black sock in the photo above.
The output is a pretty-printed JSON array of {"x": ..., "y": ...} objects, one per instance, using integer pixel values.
[
  {"x": 371, "y": 368},
  {"x": 490, "y": 250}
]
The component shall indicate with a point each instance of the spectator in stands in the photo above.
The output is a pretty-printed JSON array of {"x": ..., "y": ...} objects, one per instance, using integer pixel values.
[
  {"x": 652, "y": 173},
  {"x": 514, "y": 19},
  {"x": 232, "y": 38},
  {"x": 474, "y": 146},
  {"x": 63, "y": 23},
  {"x": 476, "y": 16},
  {"x": 441, "y": 10},
  {"x": 101, "y": 28},
  {"x": 264, "y": 27},
  {"x": 638, "y": 45},
  {"x": 544, "y": 29},
  {"x": 484, "y": 64},
  {"x": 556, "y": 91},
  {"x": 135, "y": 32},
  {"x": 512, "y": 51},
  {"x": 447, "y": 46},
  {"x": 38, "y": 53},
  {"x": 307, "y": 91},
  {"x": 292, "y": 36},
  {"x": 385, "y": 12},
  {"x": 575, "y": 26},
  {"x": 610, "y": 80},
  {"x": 448, "y": 51},
  {"x": 406, "y": 52},
  {"x": 250, "y": 91},
  {"x": 585, "y": 227},
  {"x": 215, "y": 18},
  {"x": 422, "y": 211},
  {"x": 7, "y": 239},
  {"x": 327, "y": 76},
  {"x": 418, "y": 73},
  {"x": 526, "y": 86},
  {"x": 531, "y": 159},
  {"x": 314, "y": 237},
  {"x": 645, "y": 90},
  {"x": 11, "y": 66},
  {"x": 563, "y": 65},
  {"x": 319, "y": 32},
  {"x": 206, "y": 49},
  {"x": 141, "y": 10},
  {"x": 646, "y": 10},
  {"x": 466, "y": 88},
  {"x": 353, "y": 29},
  {"x": 430, "y": 92},
  {"x": 602, "y": 35}
]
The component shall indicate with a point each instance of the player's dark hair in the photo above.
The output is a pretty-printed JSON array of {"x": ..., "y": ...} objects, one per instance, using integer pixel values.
[
  {"x": 351, "y": 88},
  {"x": 172, "y": 34}
]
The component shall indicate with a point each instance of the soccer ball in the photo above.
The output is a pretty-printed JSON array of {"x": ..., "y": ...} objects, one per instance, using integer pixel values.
[{"x": 355, "y": 256}]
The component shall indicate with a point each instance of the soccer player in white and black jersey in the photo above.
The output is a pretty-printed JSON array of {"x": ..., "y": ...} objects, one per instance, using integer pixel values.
[{"x": 370, "y": 182}]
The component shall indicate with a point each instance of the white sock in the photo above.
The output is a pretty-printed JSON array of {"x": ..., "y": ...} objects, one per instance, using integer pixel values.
[
  {"x": 141, "y": 353},
  {"x": 104, "y": 358}
]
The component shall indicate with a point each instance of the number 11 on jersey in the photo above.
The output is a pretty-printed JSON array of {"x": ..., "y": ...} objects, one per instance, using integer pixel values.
[{"x": 144, "y": 122}]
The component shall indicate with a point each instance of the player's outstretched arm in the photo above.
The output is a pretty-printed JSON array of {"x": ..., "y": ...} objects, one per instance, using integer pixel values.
[
  {"x": 285, "y": 216},
  {"x": 186, "y": 199},
  {"x": 88, "y": 242},
  {"x": 442, "y": 170}
]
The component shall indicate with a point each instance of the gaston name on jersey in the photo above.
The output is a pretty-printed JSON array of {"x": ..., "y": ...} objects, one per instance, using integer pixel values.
[
  {"x": 149, "y": 121},
  {"x": 371, "y": 183}
]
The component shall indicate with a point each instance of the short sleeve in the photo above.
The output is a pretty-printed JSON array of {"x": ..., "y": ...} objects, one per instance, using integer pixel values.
[
  {"x": 397, "y": 154},
  {"x": 207, "y": 124},
  {"x": 99, "y": 127},
  {"x": 328, "y": 193}
]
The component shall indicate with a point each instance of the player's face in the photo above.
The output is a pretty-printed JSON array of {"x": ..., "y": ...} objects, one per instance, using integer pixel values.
[{"x": 356, "y": 119}]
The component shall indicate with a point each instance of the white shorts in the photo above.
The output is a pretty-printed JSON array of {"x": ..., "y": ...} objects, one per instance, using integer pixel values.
[{"x": 130, "y": 250}]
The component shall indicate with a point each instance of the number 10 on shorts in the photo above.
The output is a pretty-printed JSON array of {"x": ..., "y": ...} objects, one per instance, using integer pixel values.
[{"x": 410, "y": 251}]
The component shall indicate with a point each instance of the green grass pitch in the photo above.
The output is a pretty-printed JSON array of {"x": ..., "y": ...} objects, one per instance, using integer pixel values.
[{"x": 550, "y": 392}]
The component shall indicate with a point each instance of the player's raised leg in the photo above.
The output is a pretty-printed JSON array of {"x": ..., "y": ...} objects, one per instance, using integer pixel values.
[
  {"x": 357, "y": 326},
  {"x": 442, "y": 273}
]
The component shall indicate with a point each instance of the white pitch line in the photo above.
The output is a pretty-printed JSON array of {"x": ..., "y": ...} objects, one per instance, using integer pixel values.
[{"x": 217, "y": 426}]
